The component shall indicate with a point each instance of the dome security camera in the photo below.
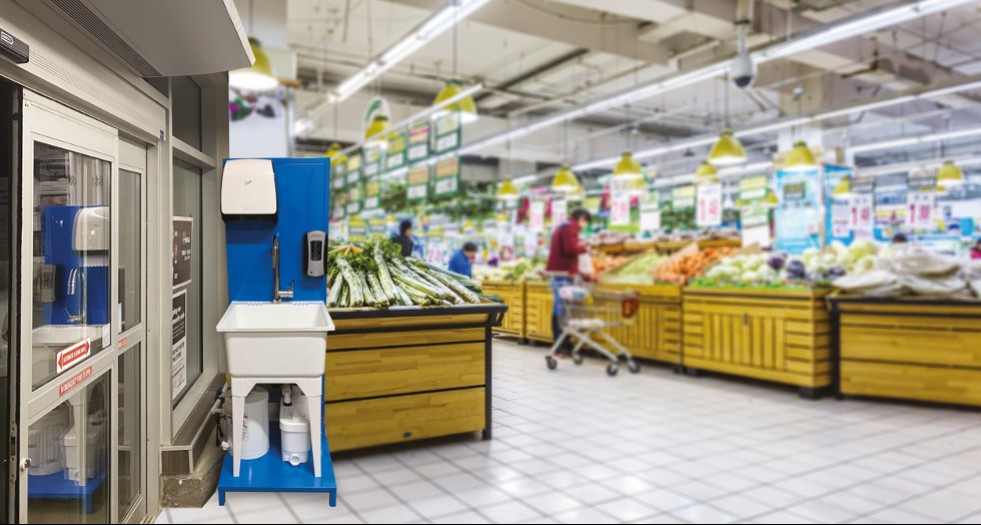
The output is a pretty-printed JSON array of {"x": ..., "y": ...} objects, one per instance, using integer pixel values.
[{"x": 742, "y": 71}]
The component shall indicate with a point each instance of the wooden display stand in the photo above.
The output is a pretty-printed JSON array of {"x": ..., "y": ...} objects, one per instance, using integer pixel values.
[
  {"x": 908, "y": 349},
  {"x": 538, "y": 311},
  {"x": 408, "y": 373},
  {"x": 774, "y": 335},
  {"x": 656, "y": 330},
  {"x": 513, "y": 293}
]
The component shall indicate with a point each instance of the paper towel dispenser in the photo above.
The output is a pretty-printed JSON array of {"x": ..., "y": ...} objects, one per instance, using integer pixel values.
[
  {"x": 91, "y": 230},
  {"x": 248, "y": 190}
]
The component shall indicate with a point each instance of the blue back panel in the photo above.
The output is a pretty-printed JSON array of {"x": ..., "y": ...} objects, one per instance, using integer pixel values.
[{"x": 303, "y": 191}]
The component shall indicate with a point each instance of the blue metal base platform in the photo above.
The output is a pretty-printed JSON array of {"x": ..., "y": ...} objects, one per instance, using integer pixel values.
[
  {"x": 56, "y": 486},
  {"x": 271, "y": 474}
]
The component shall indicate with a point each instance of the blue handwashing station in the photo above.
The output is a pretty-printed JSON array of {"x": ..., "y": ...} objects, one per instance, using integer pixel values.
[{"x": 275, "y": 328}]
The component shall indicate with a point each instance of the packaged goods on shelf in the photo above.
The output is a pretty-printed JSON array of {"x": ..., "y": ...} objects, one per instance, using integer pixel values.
[{"x": 912, "y": 271}]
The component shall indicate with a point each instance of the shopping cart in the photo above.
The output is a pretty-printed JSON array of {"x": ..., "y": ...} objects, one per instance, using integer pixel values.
[{"x": 587, "y": 313}]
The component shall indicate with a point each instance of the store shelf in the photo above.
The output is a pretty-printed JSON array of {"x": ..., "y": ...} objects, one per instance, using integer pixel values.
[
  {"x": 776, "y": 335},
  {"x": 655, "y": 332},
  {"x": 513, "y": 293},
  {"x": 538, "y": 311},
  {"x": 908, "y": 349},
  {"x": 403, "y": 374}
]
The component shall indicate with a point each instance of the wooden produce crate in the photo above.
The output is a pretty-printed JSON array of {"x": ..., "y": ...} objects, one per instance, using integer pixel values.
[
  {"x": 513, "y": 293},
  {"x": 782, "y": 336},
  {"x": 538, "y": 311},
  {"x": 404, "y": 374},
  {"x": 655, "y": 332},
  {"x": 908, "y": 349}
]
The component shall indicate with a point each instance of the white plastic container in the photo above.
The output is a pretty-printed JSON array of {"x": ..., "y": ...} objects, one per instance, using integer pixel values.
[
  {"x": 45, "y": 445},
  {"x": 255, "y": 424},
  {"x": 95, "y": 449},
  {"x": 295, "y": 434},
  {"x": 294, "y": 428}
]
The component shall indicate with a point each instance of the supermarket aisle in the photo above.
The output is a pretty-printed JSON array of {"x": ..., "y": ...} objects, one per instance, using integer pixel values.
[{"x": 575, "y": 446}]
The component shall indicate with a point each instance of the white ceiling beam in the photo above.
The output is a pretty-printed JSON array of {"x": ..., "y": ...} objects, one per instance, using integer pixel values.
[{"x": 570, "y": 25}]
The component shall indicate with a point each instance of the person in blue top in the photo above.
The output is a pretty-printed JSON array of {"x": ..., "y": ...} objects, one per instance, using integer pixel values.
[{"x": 462, "y": 260}]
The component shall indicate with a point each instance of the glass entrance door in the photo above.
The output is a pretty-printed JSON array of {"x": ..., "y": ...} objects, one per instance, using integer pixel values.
[{"x": 81, "y": 435}]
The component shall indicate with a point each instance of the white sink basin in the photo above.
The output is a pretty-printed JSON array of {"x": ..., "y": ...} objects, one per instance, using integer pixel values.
[{"x": 275, "y": 339}]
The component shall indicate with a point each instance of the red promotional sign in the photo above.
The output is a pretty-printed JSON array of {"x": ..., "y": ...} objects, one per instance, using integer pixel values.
[
  {"x": 73, "y": 355},
  {"x": 74, "y": 381}
]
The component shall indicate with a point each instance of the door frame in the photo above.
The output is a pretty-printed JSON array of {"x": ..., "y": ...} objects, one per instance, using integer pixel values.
[
  {"x": 45, "y": 120},
  {"x": 133, "y": 158}
]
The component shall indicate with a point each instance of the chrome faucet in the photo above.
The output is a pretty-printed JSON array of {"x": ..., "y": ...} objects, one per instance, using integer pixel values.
[
  {"x": 279, "y": 295},
  {"x": 73, "y": 289}
]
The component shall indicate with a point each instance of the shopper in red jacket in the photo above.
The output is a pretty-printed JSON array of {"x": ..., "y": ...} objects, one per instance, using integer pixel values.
[{"x": 563, "y": 260}]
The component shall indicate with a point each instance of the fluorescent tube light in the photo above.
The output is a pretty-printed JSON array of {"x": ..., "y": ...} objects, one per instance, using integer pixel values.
[
  {"x": 910, "y": 141},
  {"x": 821, "y": 36},
  {"x": 447, "y": 17}
]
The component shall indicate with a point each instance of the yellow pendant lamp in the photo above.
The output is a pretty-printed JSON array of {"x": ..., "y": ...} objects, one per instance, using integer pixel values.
[
  {"x": 727, "y": 151},
  {"x": 465, "y": 106},
  {"x": 335, "y": 155},
  {"x": 706, "y": 173},
  {"x": 771, "y": 199},
  {"x": 800, "y": 158},
  {"x": 259, "y": 77},
  {"x": 949, "y": 175},
  {"x": 565, "y": 180},
  {"x": 628, "y": 168},
  {"x": 508, "y": 192},
  {"x": 576, "y": 195},
  {"x": 637, "y": 187},
  {"x": 374, "y": 135},
  {"x": 843, "y": 190}
]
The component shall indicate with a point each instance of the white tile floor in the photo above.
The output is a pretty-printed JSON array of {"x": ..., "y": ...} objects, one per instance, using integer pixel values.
[{"x": 575, "y": 446}]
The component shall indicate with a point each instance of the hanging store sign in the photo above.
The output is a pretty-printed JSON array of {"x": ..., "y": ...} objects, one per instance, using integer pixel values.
[
  {"x": 560, "y": 210},
  {"x": 841, "y": 220},
  {"x": 448, "y": 132},
  {"x": 372, "y": 195},
  {"x": 683, "y": 197},
  {"x": 863, "y": 185},
  {"x": 338, "y": 172},
  {"x": 353, "y": 206},
  {"x": 418, "y": 142},
  {"x": 378, "y": 228},
  {"x": 395, "y": 153},
  {"x": 753, "y": 188},
  {"x": 536, "y": 216},
  {"x": 357, "y": 230},
  {"x": 372, "y": 162},
  {"x": 863, "y": 216},
  {"x": 921, "y": 180},
  {"x": 709, "y": 210},
  {"x": 353, "y": 171},
  {"x": 418, "y": 189},
  {"x": 650, "y": 214},
  {"x": 340, "y": 202},
  {"x": 620, "y": 210},
  {"x": 447, "y": 177},
  {"x": 919, "y": 209}
]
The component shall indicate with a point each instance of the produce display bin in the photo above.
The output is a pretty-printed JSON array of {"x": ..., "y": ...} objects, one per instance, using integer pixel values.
[
  {"x": 513, "y": 293},
  {"x": 656, "y": 330},
  {"x": 775, "y": 335},
  {"x": 908, "y": 349},
  {"x": 408, "y": 373},
  {"x": 538, "y": 311}
]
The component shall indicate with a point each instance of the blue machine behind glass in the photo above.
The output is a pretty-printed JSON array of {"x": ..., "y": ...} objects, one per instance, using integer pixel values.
[{"x": 76, "y": 243}]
